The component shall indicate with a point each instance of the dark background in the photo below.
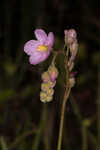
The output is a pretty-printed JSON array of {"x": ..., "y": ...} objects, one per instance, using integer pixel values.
[{"x": 22, "y": 115}]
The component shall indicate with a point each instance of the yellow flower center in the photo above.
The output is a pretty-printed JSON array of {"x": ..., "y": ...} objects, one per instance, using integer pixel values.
[{"x": 42, "y": 48}]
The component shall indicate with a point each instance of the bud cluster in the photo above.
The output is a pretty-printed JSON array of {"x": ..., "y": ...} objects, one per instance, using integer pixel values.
[
  {"x": 71, "y": 42},
  {"x": 49, "y": 81}
]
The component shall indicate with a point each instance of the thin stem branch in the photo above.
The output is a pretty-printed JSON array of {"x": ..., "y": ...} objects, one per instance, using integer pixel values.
[
  {"x": 66, "y": 96},
  {"x": 55, "y": 53},
  {"x": 98, "y": 110},
  {"x": 84, "y": 137},
  {"x": 67, "y": 92}
]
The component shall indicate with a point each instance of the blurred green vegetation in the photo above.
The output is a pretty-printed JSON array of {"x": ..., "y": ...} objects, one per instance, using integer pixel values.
[{"x": 26, "y": 123}]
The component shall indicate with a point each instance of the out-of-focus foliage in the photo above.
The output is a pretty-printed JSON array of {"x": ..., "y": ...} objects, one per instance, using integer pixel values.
[{"x": 24, "y": 122}]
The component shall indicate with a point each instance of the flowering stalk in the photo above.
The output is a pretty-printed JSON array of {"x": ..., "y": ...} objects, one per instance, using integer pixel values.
[
  {"x": 66, "y": 95},
  {"x": 70, "y": 39},
  {"x": 38, "y": 51}
]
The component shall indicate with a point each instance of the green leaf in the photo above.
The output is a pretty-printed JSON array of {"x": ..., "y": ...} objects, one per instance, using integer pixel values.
[{"x": 3, "y": 144}]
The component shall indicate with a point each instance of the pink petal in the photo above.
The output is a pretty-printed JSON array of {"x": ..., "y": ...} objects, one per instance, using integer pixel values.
[
  {"x": 50, "y": 39},
  {"x": 37, "y": 57},
  {"x": 40, "y": 35},
  {"x": 31, "y": 46}
]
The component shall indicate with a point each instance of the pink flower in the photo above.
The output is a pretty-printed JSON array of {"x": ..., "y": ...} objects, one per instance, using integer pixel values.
[{"x": 39, "y": 50}]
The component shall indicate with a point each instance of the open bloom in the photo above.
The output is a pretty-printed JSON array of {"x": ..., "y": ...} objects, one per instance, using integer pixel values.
[{"x": 39, "y": 50}]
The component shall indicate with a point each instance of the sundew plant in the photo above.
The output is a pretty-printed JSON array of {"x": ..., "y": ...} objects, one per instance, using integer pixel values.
[
  {"x": 38, "y": 51},
  {"x": 41, "y": 109}
]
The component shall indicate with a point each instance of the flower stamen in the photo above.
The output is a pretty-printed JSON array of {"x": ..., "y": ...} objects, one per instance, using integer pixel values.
[{"x": 42, "y": 48}]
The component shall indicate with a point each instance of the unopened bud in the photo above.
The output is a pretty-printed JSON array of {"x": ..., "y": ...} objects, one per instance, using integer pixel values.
[
  {"x": 44, "y": 87},
  {"x": 53, "y": 73},
  {"x": 45, "y": 77},
  {"x": 49, "y": 98},
  {"x": 72, "y": 82},
  {"x": 50, "y": 92},
  {"x": 70, "y": 36},
  {"x": 43, "y": 97},
  {"x": 52, "y": 84}
]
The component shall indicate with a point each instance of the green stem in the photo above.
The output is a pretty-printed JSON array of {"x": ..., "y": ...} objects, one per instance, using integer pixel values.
[
  {"x": 66, "y": 95},
  {"x": 55, "y": 53},
  {"x": 84, "y": 137},
  {"x": 98, "y": 109}
]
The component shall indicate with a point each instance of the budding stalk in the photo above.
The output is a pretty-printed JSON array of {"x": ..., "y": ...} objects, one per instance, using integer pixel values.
[
  {"x": 49, "y": 81},
  {"x": 72, "y": 43}
]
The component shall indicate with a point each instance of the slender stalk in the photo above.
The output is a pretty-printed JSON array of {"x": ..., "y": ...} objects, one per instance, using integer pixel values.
[
  {"x": 98, "y": 110},
  {"x": 66, "y": 95},
  {"x": 84, "y": 137},
  {"x": 55, "y": 53}
]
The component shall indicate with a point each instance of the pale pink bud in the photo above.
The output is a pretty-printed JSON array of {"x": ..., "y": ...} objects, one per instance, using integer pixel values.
[
  {"x": 70, "y": 36},
  {"x": 72, "y": 82},
  {"x": 45, "y": 77},
  {"x": 74, "y": 50},
  {"x": 53, "y": 73}
]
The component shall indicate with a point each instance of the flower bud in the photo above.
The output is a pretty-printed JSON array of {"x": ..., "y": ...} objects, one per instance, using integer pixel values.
[
  {"x": 70, "y": 36},
  {"x": 49, "y": 81},
  {"x": 43, "y": 97},
  {"x": 49, "y": 98},
  {"x": 44, "y": 87},
  {"x": 45, "y": 77},
  {"x": 72, "y": 82},
  {"x": 50, "y": 92},
  {"x": 53, "y": 73},
  {"x": 52, "y": 84}
]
